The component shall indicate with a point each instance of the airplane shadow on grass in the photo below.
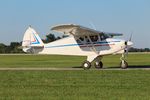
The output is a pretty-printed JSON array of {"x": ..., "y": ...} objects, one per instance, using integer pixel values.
[
  {"x": 77, "y": 67},
  {"x": 129, "y": 67},
  {"x": 133, "y": 67}
]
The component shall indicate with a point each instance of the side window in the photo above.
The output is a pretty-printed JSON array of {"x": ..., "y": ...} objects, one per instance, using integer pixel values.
[
  {"x": 94, "y": 38},
  {"x": 86, "y": 39},
  {"x": 80, "y": 40}
]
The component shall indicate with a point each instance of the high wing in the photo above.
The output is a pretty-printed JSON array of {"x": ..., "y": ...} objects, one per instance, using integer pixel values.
[{"x": 77, "y": 30}]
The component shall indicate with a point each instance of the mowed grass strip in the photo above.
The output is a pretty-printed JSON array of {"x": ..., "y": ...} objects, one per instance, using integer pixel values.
[
  {"x": 75, "y": 85},
  {"x": 56, "y": 61},
  {"x": 17, "y": 61}
]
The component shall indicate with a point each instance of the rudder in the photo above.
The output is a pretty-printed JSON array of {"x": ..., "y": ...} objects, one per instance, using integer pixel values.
[{"x": 31, "y": 40}]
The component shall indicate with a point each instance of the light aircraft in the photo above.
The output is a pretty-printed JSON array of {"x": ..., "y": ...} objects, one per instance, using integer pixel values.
[{"x": 81, "y": 41}]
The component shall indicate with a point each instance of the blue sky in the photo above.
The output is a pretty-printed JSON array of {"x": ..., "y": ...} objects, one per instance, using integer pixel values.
[{"x": 125, "y": 16}]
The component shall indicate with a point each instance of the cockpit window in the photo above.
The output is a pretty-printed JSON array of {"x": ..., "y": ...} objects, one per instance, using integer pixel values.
[
  {"x": 104, "y": 36},
  {"x": 94, "y": 38},
  {"x": 87, "y": 39}
]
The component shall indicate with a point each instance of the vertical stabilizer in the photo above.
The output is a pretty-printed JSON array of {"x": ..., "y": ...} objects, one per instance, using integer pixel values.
[{"x": 31, "y": 40}]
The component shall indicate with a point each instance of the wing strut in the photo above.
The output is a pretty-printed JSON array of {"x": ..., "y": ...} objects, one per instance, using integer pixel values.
[{"x": 93, "y": 47}]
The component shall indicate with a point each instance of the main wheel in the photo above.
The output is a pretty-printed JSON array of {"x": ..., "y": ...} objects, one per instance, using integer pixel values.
[
  {"x": 98, "y": 65},
  {"x": 123, "y": 64},
  {"x": 86, "y": 65}
]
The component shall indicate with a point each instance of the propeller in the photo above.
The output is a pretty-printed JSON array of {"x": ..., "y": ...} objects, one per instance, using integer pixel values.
[
  {"x": 126, "y": 48},
  {"x": 130, "y": 39},
  {"x": 128, "y": 43}
]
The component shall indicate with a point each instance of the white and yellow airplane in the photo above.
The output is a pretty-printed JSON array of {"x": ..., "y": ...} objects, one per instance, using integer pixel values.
[{"x": 81, "y": 41}]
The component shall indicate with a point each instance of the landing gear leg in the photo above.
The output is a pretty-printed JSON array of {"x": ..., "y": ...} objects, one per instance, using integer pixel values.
[
  {"x": 123, "y": 63},
  {"x": 98, "y": 63}
]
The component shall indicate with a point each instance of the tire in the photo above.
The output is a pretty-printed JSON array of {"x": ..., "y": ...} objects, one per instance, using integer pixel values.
[
  {"x": 99, "y": 65},
  {"x": 86, "y": 65},
  {"x": 123, "y": 64}
]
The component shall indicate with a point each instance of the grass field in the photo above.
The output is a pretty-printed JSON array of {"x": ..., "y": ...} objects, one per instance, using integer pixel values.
[
  {"x": 15, "y": 61},
  {"x": 73, "y": 85}
]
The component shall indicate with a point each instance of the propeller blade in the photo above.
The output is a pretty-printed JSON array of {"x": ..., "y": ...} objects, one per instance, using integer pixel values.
[
  {"x": 127, "y": 43},
  {"x": 130, "y": 37},
  {"x": 126, "y": 48}
]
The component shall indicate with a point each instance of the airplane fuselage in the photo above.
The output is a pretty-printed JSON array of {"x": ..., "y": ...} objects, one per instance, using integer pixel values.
[{"x": 69, "y": 46}]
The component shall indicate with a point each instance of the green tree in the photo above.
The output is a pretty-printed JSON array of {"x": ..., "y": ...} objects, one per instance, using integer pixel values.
[
  {"x": 2, "y": 48},
  {"x": 50, "y": 38},
  {"x": 14, "y": 47}
]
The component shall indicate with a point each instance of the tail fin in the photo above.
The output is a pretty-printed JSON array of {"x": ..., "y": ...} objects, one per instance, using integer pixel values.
[{"x": 31, "y": 40}]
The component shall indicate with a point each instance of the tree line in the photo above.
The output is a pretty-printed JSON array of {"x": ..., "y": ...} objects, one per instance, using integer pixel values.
[
  {"x": 14, "y": 47},
  {"x": 139, "y": 50}
]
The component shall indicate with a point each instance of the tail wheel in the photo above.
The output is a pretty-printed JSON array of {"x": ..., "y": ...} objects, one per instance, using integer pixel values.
[
  {"x": 98, "y": 65},
  {"x": 123, "y": 64},
  {"x": 86, "y": 65}
]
